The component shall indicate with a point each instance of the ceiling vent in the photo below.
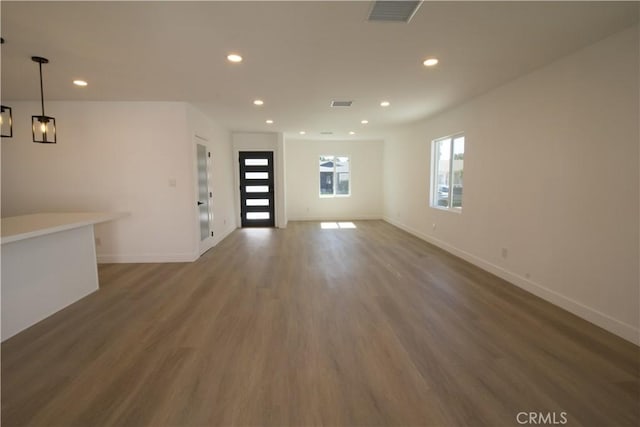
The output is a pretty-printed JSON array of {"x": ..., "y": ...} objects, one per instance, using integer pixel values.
[
  {"x": 326, "y": 132},
  {"x": 341, "y": 103},
  {"x": 394, "y": 11}
]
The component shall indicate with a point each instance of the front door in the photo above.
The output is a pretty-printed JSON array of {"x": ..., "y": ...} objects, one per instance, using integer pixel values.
[{"x": 256, "y": 189}]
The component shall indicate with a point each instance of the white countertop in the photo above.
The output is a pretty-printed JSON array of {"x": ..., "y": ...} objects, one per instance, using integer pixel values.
[{"x": 22, "y": 227}]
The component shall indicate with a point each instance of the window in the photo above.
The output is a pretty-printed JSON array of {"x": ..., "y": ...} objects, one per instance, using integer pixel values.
[
  {"x": 447, "y": 172},
  {"x": 335, "y": 179}
]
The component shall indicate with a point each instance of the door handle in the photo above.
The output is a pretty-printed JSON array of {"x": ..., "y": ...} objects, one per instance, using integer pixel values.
[{"x": 200, "y": 203}]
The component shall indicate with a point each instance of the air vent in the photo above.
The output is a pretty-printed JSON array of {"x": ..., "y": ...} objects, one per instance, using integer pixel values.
[
  {"x": 326, "y": 132},
  {"x": 341, "y": 103},
  {"x": 393, "y": 11}
]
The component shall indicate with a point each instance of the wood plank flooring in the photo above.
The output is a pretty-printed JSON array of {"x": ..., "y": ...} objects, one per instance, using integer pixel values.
[{"x": 306, "y": 326}]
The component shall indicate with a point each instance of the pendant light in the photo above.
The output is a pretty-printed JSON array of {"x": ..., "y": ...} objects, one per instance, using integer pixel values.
[
  {"x": 6, "y": 119},
  {"x": 6, "y": 122},
  {"x": 43, "y": 126}
]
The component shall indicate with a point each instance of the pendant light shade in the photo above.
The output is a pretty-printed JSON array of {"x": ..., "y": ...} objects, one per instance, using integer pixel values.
[
  {"x": 6, "y": 122},
  {"x": 44, "y": 129},
  {"x": 43, "y": 126}
]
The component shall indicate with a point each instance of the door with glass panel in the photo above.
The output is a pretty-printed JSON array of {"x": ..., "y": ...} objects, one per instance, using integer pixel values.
[
  {"x": 256, "y": 189},
  {"x": 204, "y": 195}
]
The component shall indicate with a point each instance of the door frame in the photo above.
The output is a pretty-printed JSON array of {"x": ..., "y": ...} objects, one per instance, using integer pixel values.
[
  {"x": 208, "y": 243},
  {"x": 263, "y": 141}
]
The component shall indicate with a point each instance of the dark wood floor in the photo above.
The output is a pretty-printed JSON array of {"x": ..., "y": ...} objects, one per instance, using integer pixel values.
[{"x": 306, "y": 326}]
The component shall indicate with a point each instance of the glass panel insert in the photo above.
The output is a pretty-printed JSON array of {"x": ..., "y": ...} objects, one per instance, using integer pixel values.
[
  {"x": 443, "y": 156},
  {"x": 257, "y": 215},
  {"x": 457, "y": 172},
  {"x": 257, "y": 188},
  {"x": 256, "y": 175},
  {"x": 256, "y": 162}
]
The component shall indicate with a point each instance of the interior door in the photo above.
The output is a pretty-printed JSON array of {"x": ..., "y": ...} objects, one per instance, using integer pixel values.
[
  {"x": 256, "y": 189},
  {"x": 204, "y": 195}
]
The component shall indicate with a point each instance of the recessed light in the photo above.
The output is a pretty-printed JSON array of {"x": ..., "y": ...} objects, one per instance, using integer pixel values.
[
  {"x": 258, "y": 102},
  {"x": 80, "y": 83},
  {"x": 234, "y": 57},
  {"x": 269, "y": 122},
  {"x": 352, "y": 132},
  {"x": 430, "y": 62},
  {"x": 302, "y": 132},
  {"x": 364, "y": 122},
  {"x": 385, "y": 103}
]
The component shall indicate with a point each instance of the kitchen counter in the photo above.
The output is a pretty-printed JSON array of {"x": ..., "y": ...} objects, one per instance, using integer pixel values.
[{"x": 48, "y": 263}]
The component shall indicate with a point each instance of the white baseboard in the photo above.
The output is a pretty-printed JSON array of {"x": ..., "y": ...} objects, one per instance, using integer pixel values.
[
  {"x": 160, "y": 258},
  {"x": 629, "y": 332},
  {"x": 146, "y": 258}
]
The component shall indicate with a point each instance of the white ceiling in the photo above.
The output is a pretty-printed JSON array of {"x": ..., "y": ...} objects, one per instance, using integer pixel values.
[{"x": 298, "y": 56}]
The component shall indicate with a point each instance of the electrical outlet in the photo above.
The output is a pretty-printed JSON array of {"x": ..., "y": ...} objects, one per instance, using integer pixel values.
[
  {"x": 505, "y": 253},
  {"x": 433, "y": 226},
  {"x": 98, "y": 241}
]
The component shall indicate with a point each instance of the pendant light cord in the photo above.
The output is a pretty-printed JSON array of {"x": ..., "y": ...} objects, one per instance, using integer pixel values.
[{"x": 41, "y": 89}]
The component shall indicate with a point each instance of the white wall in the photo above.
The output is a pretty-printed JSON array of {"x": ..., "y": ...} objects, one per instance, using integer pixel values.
[
  {"x": 263, "y": 141},
  {"x": 218, "y": 142},
  {"x": 551, "y": 174},
  {"x": 111, "y": 156},
  {"x": 303, "y": 186}
]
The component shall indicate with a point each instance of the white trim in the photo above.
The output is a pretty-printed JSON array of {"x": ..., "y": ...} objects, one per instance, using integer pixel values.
[
  {"x": 161, "y": 258},
  {"x": 200, "y": 140},
  {"x": 628, "y": 332},
  {"x": 434, "y": 172},
  {"x": 146, "y": 258},
  {"x": 442, "y": 208}
]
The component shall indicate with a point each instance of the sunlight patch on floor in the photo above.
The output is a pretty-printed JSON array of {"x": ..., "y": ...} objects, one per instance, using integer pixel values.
[{"x": 337, "y": 225}]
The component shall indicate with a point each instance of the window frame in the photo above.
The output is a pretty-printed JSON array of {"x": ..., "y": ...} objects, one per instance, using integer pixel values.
[
  {"x": 335, "y": 177},
  {"x": 433, "y": 202}
]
